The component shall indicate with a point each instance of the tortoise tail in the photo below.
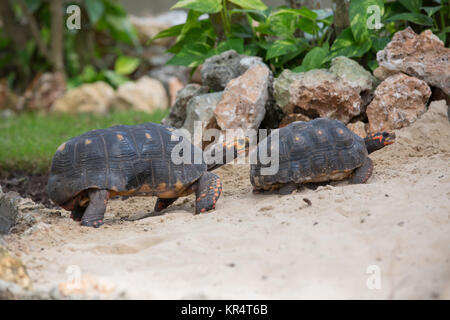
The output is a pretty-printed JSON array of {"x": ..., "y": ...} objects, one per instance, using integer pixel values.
[{"x": 226, "y": 152}]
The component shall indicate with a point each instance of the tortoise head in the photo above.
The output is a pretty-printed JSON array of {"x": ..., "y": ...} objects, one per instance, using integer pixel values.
[{"x": 378, "y": 140}]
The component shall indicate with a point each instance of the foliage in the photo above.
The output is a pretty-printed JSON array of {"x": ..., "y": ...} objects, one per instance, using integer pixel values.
[
  {"x": 28, "y": 141},
  {"x": 84, "y": 55},
  {"x": 299, "y": 39}
]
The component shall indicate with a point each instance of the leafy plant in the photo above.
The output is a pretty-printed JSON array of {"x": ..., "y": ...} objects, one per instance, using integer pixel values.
[
  {"x": 296, "y": 38},
  {"x": 271, "y": 34},
  {"x": 361, "y": 41},
  {"x": 83, "y": 55}
]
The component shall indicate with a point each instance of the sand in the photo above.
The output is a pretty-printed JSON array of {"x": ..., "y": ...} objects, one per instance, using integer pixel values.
[{"x": 396, "y": 227}]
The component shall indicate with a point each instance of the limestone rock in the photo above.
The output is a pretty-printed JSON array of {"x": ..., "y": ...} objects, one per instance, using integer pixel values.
[
  {"x": 13, "y": 270},
  {"x": 244, "y": 99},
  {"x": 145, "y": 94},
  {"x": 381, "y": 73},
  {"x": 218, "y": 70},
  {"x": 358, "y": 127},
  {"x": 177, "y": 114},
  {"x": 201, "y": 108},
  {"x": 165, "y": 73},
  {"x": 44, "y": 90},
  {"x": 422, "y": 56},
  {"x": 356, "y": 76},
  {"x": 8, "y": 212},
  {"x": 292, "y": 118},
  {"x": 90, "y": 97},
  {"x": 317, "y": 93},
  {"x": 8, "y": 100},
  {"x": 399, "y": 101},
  {"x": 353, "y": 73}
]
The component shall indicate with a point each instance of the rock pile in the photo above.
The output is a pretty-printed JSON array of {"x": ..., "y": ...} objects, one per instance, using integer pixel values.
[
  {"x": 236, "y": 94},
  {"x": 399, "y": 101},
  {"x": 422, "y": 56},
  {"x": 145, "y": 94},
  {"x": 238, "y": 91}
]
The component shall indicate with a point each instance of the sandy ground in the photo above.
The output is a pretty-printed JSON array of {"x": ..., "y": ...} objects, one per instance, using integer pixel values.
[{"x": 269, "y": 246}]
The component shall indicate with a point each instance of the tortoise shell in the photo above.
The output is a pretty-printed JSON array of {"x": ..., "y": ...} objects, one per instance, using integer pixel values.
[
  {"x": 123, "y": 159},
  {"x": 317, "y": 150}
]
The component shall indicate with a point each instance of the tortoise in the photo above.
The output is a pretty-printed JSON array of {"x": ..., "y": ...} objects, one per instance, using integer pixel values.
[
  {"x": 316, "y": 151},
  {"x": 125, "y": 161}
]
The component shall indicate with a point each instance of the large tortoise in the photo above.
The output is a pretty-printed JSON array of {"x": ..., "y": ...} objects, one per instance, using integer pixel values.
[
  {"x": 316, "y": 151},
  {"x": 124, "y": 161}
]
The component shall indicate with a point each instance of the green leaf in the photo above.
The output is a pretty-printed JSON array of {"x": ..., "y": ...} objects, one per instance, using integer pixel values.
[
  {"x": 282, "y": 25},
  {"x": 303, "y": 12},
  {"x": 315, "y": 58},
  {"x": 191, "y": 23},
  {"x": 416, "y": 18},
  {"x": 372, "y": 64},
  {"x": 308, "y": 26},
  {"x": 114, "y": 78},
  {"x": 170, "y": 32},
  {"x": 412, "y": 5},
  {"x": 379, "y": 43},
  {"x": 257, "y": 15},
  {"x": 442, "y": 36},
  {"x": 121, "y": 29},
  {"x": 89, "y": 74},
  {"x": 431, "y": 10},
  {"x": 346, "y": 45},
  {"x": 359, "y": 17},
  {"x": 203, "y": 6},
  {"x": 280, "y": 47},
  {"x": 241, "y": 31},
  {"x": 191, "y": 55},
  {"x": 94, "y": 9},
  {"x": 236, "y": 44},
  {"x": 251, "y": 49},
  {"x": 250, "y": 4},
  {"x": 125, "y": 65},
  {"x": 299, "y": 69}
]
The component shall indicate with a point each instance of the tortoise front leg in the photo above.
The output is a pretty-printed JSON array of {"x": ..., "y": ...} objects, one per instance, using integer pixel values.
[
  {"x": 162, "y": 203},
  {"x": 207, "y": 190},
  {"x": 95, "y": 212},
  {"x": 363, "y": 173}
]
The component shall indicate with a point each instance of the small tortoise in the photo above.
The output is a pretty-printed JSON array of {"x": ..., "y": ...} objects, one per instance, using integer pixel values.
[
  {"x": 316, "y": 151},
  {"x": 124, "y": 161}
]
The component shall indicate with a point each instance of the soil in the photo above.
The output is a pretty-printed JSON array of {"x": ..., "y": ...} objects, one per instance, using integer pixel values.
[
  {"x": 28, "y": 185},
  {"x": 387, "y": 239}
]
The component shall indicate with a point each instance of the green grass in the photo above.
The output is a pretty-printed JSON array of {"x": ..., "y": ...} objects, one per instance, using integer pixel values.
[{"x": 28, "y": 141}]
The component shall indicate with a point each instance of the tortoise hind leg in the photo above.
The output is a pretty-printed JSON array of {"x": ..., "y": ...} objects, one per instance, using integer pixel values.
[
  {"x": 207, "y": 190},
  {"x": 95, "y": 212},
  {"x": 162, "y": 203},
  {"x": 363, "y": 173}
]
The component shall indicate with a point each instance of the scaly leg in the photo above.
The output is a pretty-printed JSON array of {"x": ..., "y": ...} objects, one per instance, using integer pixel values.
[
  {"x": 363, "y": 173},
  {"x": 95, "y": 212},
  {"x": 207, "y": 190}
]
